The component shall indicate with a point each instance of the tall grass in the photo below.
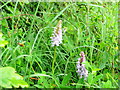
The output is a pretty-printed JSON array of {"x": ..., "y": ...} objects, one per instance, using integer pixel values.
[{"x": 91, "y": 27}]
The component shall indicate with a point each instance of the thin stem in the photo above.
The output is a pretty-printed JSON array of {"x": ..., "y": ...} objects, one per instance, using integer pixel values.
[
  {"x": 113, "y": 68},
  {"x": 54, "y": 59},
  {"x": 31, "y": 67}
]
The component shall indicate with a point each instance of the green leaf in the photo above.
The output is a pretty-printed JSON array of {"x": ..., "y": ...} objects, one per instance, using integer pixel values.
[
  {"x": 43, "y": 79},
  {"x": 38, "y": 86},
  {"x": 2, "y": 41},
  {"x": 62, "y": 86},
  {"x": 57, "y": 81},
  {"x": 45, "y": 83},
  {"x": 90, "y": 79},
  {"x": 94, "y": 70},
  {"x": 87, "y": 64},
  {"x": 4, "y": 22},
  {"x": 1, "y": 35},
  {"x": 66, "y": 79},
  {"x": 97, "y": 78},
  {"x": 107, "y": 84},
  {"x": 9, "y": 78},
  {"x": 80, "y": 83},
  {"x": 18, "y": 83}
]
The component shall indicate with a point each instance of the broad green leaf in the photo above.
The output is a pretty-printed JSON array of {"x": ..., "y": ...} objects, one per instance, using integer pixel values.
[
  {"x": 9, "y": 78},
  {"x": 66, "y": 79},
  {"x": 98, "y": 77},
  {"x": 18, "y": 83},
  {"x": 107, "y": 84}
]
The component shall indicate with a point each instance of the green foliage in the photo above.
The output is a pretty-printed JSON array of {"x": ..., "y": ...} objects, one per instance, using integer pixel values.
[
  {"x": 92, "y": 27},
  {"x": 107, "y": 84},
  {"x": 66, "y": 79},
  {"x": 48, "y": 81},
  {"x": 9, "y": 79},
  {"x": 2, "y": 41}
]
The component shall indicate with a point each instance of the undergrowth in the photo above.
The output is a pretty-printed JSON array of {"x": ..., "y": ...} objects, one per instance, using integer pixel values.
[{"x": 91, "y": 27}]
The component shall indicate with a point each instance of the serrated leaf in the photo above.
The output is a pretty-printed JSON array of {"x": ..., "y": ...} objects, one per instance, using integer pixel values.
[
  {"x": 18, "y": 83},
  {"x": 9, "y": 78}
]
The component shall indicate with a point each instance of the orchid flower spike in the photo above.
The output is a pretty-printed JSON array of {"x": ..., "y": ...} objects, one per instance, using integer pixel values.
[
  {"x": 81, "y": 70},
  {"x": 57, "y": 35}
]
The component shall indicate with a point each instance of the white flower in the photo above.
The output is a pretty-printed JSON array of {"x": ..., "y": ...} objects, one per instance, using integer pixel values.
[{"x": 57, "y": 35}]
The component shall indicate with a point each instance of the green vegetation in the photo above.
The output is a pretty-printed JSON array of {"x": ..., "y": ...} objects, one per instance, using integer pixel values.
[
  {"x": 91, "y": 27},
  {"x": 9, "y": 78},
  {"x": 2, "y": 41}
]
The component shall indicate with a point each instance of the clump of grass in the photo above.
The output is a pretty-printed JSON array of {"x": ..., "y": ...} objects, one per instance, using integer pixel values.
[{"x": 91, "y": 27}]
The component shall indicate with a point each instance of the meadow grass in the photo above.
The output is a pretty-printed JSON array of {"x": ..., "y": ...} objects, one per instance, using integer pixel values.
[{"x": 91, "y": 27}]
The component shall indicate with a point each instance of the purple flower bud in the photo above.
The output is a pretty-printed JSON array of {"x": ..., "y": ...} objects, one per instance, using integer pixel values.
[{"x": 81, "y": 70}]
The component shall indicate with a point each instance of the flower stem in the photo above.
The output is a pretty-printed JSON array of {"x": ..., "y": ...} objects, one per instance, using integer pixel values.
[{"x": 54, "y": 59}]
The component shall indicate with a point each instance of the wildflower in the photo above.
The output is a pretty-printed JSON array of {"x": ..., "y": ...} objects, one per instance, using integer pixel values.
[
  {"x": 57, "y": 34},
  {"x": 81, "y": 70}
]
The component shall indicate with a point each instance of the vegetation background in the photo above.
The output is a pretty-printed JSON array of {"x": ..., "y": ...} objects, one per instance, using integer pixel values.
[{"x": 91, "y": 27}]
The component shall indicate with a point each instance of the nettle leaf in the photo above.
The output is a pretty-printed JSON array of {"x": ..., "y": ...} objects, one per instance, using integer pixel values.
[
  {"x": 66, "y": 79},
  {"x": 9, "y": 79}
]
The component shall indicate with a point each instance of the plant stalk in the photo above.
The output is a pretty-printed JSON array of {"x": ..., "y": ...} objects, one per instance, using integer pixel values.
[{"x": 54, "y": 59}]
